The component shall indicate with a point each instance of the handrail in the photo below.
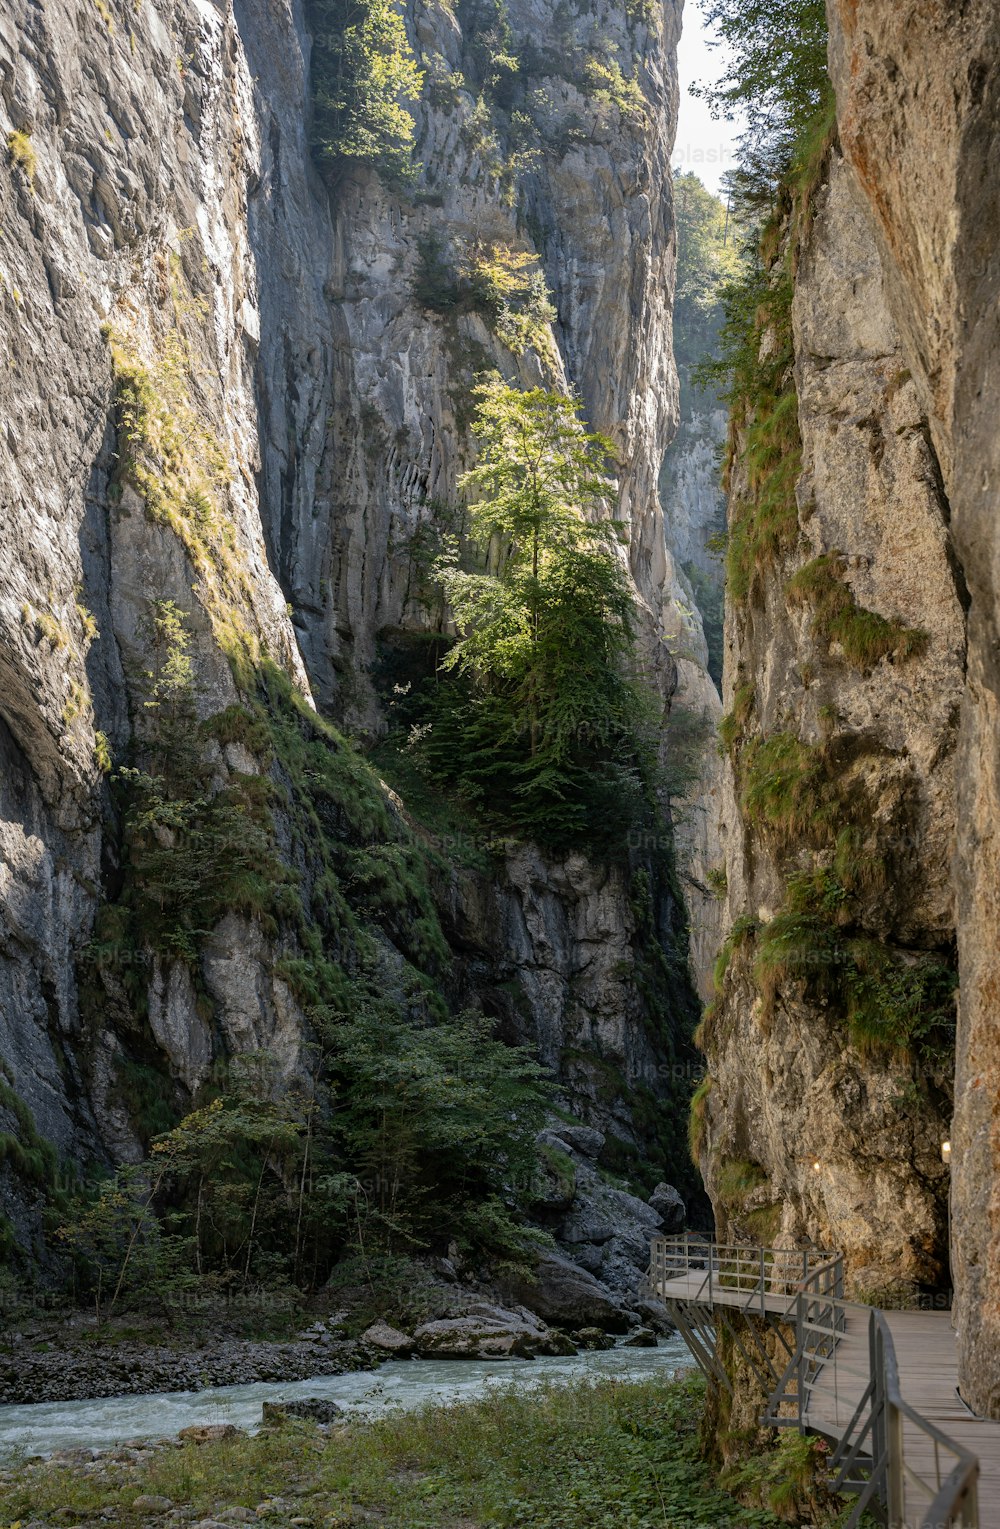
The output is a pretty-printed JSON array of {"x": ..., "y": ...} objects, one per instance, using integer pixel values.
[
  {"x": 755, "y": 1272},
  {"x": 875, "y": 1438},
  {"x": 953, "y": 1501}
]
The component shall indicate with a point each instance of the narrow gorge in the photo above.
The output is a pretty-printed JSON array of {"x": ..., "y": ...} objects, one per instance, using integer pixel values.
[
  {"x": 247, "y": 319},
  {"x": 498, "y": 752}
]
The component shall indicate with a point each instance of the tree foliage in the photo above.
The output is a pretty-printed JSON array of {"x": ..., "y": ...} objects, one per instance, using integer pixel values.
[
  {"x": 708, "y": 242},
  {"x": 775, "y": 78},
  {"x": 402, "y": 1137},
  {"x": 545, "y": 730},
  {"x": 363, "y": 75},
  {"x": 438, "y": 1123},
  {"x": 191, "y": 852}
]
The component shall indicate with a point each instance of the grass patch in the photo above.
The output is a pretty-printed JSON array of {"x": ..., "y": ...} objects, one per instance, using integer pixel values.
[
  {"x": 698, "y": 1118},
  {"x": 735, "y": 1179},
  {"x": 864, "y": 637},
  {"x": 584, "y": 1456},
  {"x": 742, "y": 931},
  {"x": 22, "y": 153},
  {"x": 733, "y": 726},
  {"x": 784, "y": 788},
  {"x": 893, "y": 1003}
]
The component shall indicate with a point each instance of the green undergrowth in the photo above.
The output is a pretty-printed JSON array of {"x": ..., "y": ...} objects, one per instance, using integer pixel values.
[
  {"x": 792, "y": 1480},
  {"x": 698, "y": 1118},
  {"x": 831, "y": 943},
  {"x": 754, "y": 368},
  {"x": 583, "y": 1456},
  {"x": 894, "y": 1002},
  {"x": 863, "y": 636},
  {"x": 24, "y": 1150}
]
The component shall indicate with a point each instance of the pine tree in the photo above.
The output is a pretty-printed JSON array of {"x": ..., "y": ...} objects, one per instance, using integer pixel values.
[{"x": 545, "y": 731}]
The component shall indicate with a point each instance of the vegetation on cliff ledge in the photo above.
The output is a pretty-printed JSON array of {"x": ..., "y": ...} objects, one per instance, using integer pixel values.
[
  {"x": 363, "y": 76},
  {"x": 535, "y": 718}
]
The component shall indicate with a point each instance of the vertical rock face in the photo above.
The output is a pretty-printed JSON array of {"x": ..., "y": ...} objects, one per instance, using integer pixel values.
[
  {"x": 129, "y": 143},
  {"x": 840, "y": 801},
  {"x": 583, "y": 199},
  {"x": 918, "y": 95},
  {"x": 180, "y": 291}
]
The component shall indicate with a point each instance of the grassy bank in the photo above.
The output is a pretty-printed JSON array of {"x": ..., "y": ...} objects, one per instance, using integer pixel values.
[{"x": 610, "y": 1455}]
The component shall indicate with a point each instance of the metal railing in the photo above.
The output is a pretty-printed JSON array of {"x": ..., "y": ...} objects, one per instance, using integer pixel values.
[
  {"x": 758, "y": 1274},
  {"x": 873, "y": 1452}
]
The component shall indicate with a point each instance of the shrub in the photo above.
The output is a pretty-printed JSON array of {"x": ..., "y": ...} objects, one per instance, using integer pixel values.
[
  {"x": 864, "y": 637},
  {"x": 22, "y": 153}
]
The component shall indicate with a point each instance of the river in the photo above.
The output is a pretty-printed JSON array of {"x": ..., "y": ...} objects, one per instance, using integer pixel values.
[{"x": 101, "y": 1424}]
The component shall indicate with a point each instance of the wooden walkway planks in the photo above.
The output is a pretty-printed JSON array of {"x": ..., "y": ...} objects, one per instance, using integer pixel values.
[
  {"x": 927, "y": 1359},
  {"x": 694, "y": 1286},
  {"x": 925, "y": 1352}
]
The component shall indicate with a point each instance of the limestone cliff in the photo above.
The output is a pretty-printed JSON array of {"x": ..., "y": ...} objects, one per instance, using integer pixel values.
[
  {"x": 918, "y": 97},
  {"x": 829, "y": 1041},
  {"x": 236, "y": 398}
]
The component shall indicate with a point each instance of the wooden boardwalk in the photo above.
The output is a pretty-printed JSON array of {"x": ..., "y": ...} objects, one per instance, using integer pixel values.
[{"x": 889, "y": 1377}]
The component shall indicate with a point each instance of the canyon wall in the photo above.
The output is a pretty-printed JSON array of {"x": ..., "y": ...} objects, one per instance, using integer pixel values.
[
  {"x": 860, "y": 818},
  {"x": 918, "y": 98},
  {"x": 839, "y": 797},
  {"x": 236, "y": 405}
]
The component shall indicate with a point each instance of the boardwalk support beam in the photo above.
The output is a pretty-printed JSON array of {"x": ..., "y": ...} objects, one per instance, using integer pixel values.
[{"x": 708, "y": 1287}]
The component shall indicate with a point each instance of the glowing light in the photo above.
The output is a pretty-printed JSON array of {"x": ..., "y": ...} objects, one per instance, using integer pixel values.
[{"x": 946, "y": 1152}]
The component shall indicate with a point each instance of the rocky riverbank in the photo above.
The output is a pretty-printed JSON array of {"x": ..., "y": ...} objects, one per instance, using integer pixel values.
[{"x": 589, "y": 1284}]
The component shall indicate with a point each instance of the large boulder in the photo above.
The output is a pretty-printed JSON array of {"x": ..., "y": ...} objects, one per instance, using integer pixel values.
[
  {"x": 563, "y": 1293},
  {"x": 555, "y": 1187},
  {"x": 587, "y": 1222},
  {"x": 655, "y": 1314},
  {"x": 488, "y": 1332},
  {"x": 389, "y": 1339},
  {"x": 669, "y": 1206},
  {"x": 582, "y": 1139},
  {"x": 316, "y": 1409},
  {"x": 642, "y": 1337}
]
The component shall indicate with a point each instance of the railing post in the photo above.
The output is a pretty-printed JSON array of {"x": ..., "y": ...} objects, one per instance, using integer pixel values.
[
  {"x": 896, "y": 1484},
  {"x": 880, "y": 1418},
  {"x": 800, "y": 1346},
  {"x": 763, "y": 1308}
]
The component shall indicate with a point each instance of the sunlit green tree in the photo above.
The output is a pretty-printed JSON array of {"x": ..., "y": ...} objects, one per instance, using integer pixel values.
[
  {"x": 363, "y": 75},
  {"x": 545, "y": 730}
]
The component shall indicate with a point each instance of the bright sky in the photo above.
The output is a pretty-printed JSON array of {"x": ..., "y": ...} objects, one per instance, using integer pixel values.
[{"x": 703, "y": 145}]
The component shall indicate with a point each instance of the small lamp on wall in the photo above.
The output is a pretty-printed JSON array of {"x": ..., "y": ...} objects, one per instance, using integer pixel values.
[
  {"x": 816, "y": 1165},
  {"x": 946, "y": 1153}
]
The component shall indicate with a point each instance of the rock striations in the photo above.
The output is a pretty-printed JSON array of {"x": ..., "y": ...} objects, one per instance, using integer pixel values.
[
  {"x": 860, "y": 817},
  {"x": 239, "y": 397}
]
